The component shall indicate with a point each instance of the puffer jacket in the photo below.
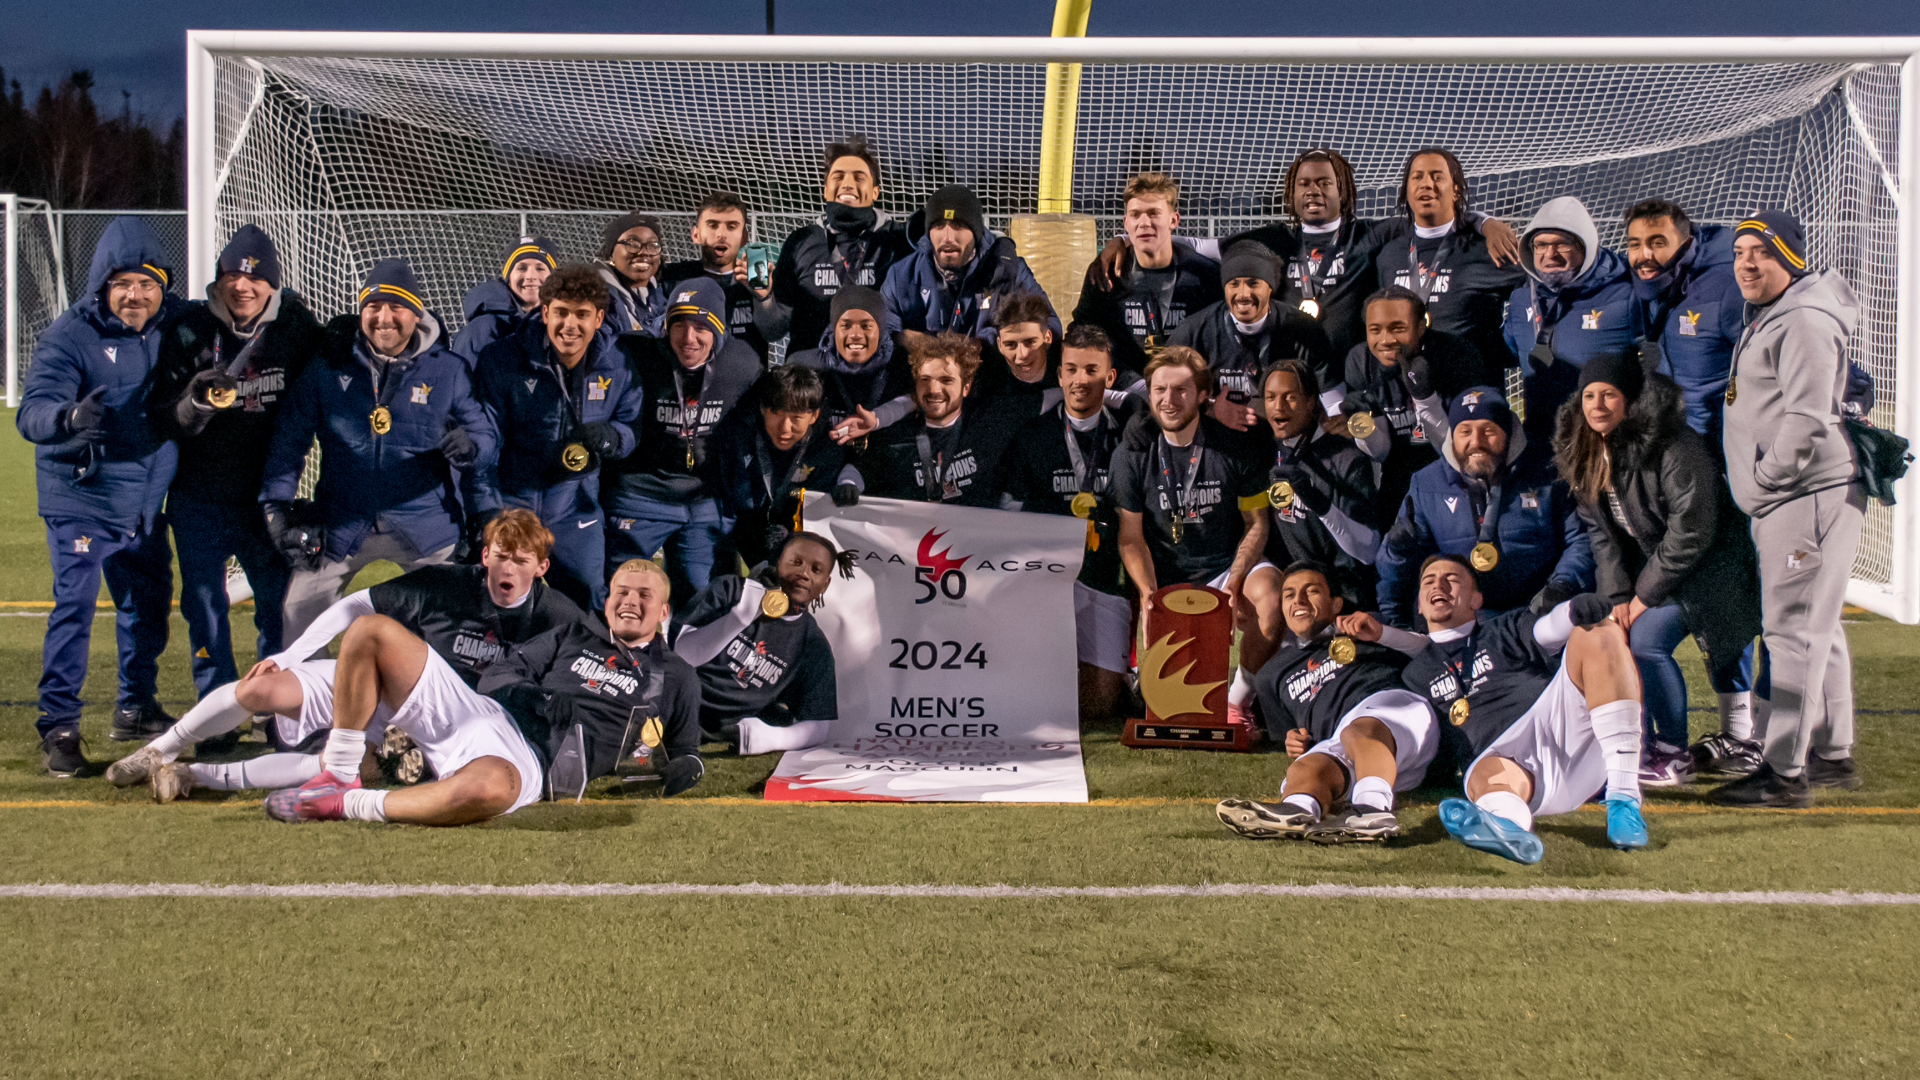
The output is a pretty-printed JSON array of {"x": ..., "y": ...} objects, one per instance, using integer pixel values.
[
  {"x": 1694, "y": 313},
  {"x": 1681, "y": 538},
  {"x": 1592, "y": 314},
  {"x": 492, "y": 313}
]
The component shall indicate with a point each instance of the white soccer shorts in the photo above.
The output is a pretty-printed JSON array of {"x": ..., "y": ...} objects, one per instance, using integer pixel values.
[
  {"x": 1103, "y": 628},
  {"x": 1554, "y": 742},
  {"x": 316, "y": 707},
  {"x": 455, "y": 726},
  {"x": 1416, "y": 737}
]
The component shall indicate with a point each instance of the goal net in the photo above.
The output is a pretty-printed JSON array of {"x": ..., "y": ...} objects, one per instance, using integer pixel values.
[
  {"x": 347, "y": 149},
  {"x": 32, "y": 287}
]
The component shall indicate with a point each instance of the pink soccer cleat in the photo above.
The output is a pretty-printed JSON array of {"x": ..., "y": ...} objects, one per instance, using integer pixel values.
[{"x": 323, "y": 798}]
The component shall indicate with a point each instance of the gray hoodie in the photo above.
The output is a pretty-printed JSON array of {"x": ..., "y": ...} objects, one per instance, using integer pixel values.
[{"x": 1783, "y": 434}]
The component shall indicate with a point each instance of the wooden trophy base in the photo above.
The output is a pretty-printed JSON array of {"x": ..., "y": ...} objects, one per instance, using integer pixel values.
[
  {"x": 1159, "y": 735},
  {"x": 1184, "y": 675}
]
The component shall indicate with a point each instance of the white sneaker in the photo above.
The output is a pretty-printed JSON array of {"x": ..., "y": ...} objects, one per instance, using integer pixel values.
[{"x": 135, "y": 768}]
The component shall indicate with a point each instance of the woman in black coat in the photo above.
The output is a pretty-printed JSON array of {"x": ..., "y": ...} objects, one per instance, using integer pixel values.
[{"x": 1669, "y": 546}]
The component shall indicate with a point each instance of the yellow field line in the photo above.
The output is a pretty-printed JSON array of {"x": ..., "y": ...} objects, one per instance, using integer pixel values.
[{"x": 1124, "y": 804}]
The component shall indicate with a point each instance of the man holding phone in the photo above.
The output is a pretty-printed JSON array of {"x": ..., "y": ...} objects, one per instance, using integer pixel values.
[{"x": 720, "y": 231}]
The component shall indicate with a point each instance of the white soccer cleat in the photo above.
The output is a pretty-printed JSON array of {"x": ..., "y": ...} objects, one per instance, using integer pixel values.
[
  {"x": 135, "y": 768},
  {"x": 172, "y": 781}
]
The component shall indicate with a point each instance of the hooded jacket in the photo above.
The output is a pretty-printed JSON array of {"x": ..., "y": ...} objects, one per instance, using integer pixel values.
[
  {"x": 1128, "y": 318},
  {"x": 919, "y": 296},
  {"x": 755, "y": 491},
  {"x": 400, "y": 477},
  {"x": 1694, "y": 311},
  {"x": 120, "y": 482},
  {"x": 520, "y": 385},
  {"x": 742, "y": 305},
  {"x": 849, "y": 386},
  {"x": 1539, "y": 534},
  {"x": 1681, "y": 538},
  {"x": 223, "y": 452},
  {"x": 816, "y": 262},
  {"x": 1789, "y": 377},
  {"x": 658, "y": 470},
  {"x": 1594, "y": 313},
  {"x": 492, "y": 312},
  {"x": 630, "y": 313}
]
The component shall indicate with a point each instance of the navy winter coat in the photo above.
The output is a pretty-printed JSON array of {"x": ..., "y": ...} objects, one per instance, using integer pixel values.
[
  {"x": 916, "y": 291},
  {"x": 492, "y": 312},
  {"x": 1695, "y": 312},
  {"x": 120, "y": 482},
  {"x": 1595, "y": 313}
]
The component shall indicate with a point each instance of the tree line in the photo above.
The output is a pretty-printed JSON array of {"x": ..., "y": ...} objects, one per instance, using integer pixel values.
[{"x": 63, "y": 149}]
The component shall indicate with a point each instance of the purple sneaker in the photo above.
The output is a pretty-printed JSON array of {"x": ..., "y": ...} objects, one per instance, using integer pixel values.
[{"x": 1665, "y": 768}]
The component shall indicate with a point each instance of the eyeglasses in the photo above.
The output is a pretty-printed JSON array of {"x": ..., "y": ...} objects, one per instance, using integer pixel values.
[{"x": 639, "y": 248}]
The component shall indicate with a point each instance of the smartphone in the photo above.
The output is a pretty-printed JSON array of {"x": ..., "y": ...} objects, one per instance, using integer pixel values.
[{"x": 759, "y": 265}]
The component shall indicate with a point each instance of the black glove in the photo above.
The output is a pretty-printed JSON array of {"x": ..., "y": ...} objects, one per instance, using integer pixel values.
[
  {"x": 1589, "y": 609},
  {"x": 86, "y": 421},
  {"x": 1552, "y": 595},
  {"x": 459, "y": 448},
  {"x": 602, "y": 439},
  {"x": 846, "y": 494},
  {"x": 682, "y": 772},
  {"x": 1652, "y": 357},
  {"x": 1308, "y": 489},
  {"x": 1418, "y": 375},
  {"x": 473, "y": 540},
  {"x": 300, "y": 543},
  {"x": 776, "y": 538},
  {"x": 560, "y": 712}
]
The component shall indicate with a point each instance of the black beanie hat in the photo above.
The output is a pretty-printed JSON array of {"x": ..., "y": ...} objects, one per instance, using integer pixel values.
[
  {"x": 1250, "y": 260},
  {"x": 958, "y": 203},
  {"x": 858, "y": 298},
  {"x": 1620, "y": 370},
  {"x": 618, "y": 227},
  {"x": 392, "y": 279},
  {"x": 1786, "y": 240},
  {"x": 250, "y": 252}
]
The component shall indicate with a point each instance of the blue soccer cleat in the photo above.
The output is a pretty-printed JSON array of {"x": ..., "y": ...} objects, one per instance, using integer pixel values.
[
  {"x": 1626, "y": 829},
  {"x": 1490, "y": 833}
]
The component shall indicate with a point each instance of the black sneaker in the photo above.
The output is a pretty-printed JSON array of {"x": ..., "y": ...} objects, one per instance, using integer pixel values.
[
  {"x": 1720, "y": 754},
  {"x": 140, "y": 723},
  {"x": 1765, "y": 788},
  {"x": 63, "y": 754},
  {"x": 1841, "y": 775}
]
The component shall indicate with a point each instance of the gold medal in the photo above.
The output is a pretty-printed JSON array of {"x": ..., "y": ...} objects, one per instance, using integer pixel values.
[
  {"x": 1361, "y": 424},
  {"x": 222, "y": 397},
  {"x": 1083, "y": 504},
  {"x": 1733, "y": 384},
  {"x": 1485, "y": 557},
  {"x": 775, "y": 603},
  {"x": 1457, "y": 712},
  {"x": 1280, "y": 494},
  {"x": 1343, "y": 650},
  {"x": 1176, "y": 531},
  {"x": 651, "y": 733},
  {"x": 689, "y": 455},
  {"x": 382, "y": 420},
  {"x": 1310, "y": 308},
  {"x": 575, "y": 457}
]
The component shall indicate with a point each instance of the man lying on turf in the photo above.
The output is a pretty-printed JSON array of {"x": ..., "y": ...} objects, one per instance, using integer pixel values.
[
  {"x": 1356, "y": 733},
  {"x": 766, "y": 669},
  {"x": 1544, "y": 732},
  {"x": 594, "y": 699},
  {"x": 469, "y": 615}
]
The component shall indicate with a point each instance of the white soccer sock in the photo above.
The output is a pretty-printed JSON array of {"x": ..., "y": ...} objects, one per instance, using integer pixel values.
[
  {"x": 1305, "y": 804},
  {"x": 1241, "y": 691},
  {"x": 363, "y": 805},
  {"x": 1507, "y": 805},
  {"x": 1736, "y": 714},
  {"x": 1616, "y": 726},
  {"x": 269, "y": 772},
  {"x": 759, "y": 737},
  {"x": 215, "y": 714},
  {"x": 1374, "y": 793},
  {"x": 343, "y": 754}
]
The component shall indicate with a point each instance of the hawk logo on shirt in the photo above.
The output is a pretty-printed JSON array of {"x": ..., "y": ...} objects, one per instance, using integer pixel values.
[
  {"x": 597, "y": 389},
  {"x": 420, "y": 393},
  {"x": 603, "y": 677},
  {"x": 111, "y": 351},
  {"x": 1591, "y": 320},
  {"x": 1689, "y": 324},
  {"x": 81, "y": 544}
]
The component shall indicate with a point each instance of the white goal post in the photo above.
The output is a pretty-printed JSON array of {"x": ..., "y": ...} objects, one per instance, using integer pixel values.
[{"x": 352, "y": 146}]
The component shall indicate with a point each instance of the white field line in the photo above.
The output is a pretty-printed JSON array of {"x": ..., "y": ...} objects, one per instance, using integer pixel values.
[{"x": 352, "y": 891}]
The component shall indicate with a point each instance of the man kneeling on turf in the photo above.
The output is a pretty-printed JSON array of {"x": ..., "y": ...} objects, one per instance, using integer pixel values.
[
  {"x": 468, "y": 615},
  {"x": 767, "y": 680},
  {"x": 596, "y": 699},
  {"x": 1356, "y": 734},
  {"x": 1543, "y": 732}
]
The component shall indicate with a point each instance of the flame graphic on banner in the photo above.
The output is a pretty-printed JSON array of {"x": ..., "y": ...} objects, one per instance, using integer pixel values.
[
  {"x": 1170, "y": 695},
  {"x": 938, "y": 561}
]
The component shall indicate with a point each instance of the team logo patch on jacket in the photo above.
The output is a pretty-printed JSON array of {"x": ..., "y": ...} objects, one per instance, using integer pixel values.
[
  {"x": 81, "y": 544},
  {"x": 1591, "y": 320},
  {"x": 420, "y": 393},
  {"x": 597, "y": 389},
  {"x": 1689, "y": 324}
]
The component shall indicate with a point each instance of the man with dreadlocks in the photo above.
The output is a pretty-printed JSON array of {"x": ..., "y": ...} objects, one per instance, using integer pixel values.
[{"x": 766, "y": 669}]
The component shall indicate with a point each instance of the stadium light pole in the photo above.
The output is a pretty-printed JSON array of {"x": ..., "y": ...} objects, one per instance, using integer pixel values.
[{"x": 1060, "y": 114}]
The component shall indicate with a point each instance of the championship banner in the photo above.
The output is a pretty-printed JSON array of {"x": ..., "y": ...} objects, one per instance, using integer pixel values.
[{"x": 953, "y": 645}]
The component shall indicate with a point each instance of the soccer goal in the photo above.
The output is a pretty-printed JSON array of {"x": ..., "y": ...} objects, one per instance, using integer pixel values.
[
  {"x": 444, "y": 147},
  {"x": 33, "y": 288}
]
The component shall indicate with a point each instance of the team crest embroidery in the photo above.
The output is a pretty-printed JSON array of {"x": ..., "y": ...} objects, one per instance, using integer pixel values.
[
  {"x": 597, "y": 390},
  {"x": 1472, "y": 398},
  {"x": 111, "y": 351},
  {"x": 346, "y": 381},
  {"x": 1689, "y": 324},
  {"x": 420, "y": 393},
  {"x": 247, "y": 264},
  {"x": 1453, "y": 504},
  {"x": 1591, "y": 320},
  {"x": 1797, "y": 559},
  {"x": 685, "y": 297},
  {"x": 530, "y": 385},
  {"x": 81, "y": 544},
  {"x": 1529, "y": 500}
]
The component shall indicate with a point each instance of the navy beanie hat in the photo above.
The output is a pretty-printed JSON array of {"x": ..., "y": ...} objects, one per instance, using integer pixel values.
[
  {"x": 392, "y": 279},
  {"x": 1785, "y": 239},
  {"x": 699, "y": 298},
  {"x": 531, "y": 247},
  {"x": 1481, "y": 403},
  {"x": 250, "y": 252}
]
